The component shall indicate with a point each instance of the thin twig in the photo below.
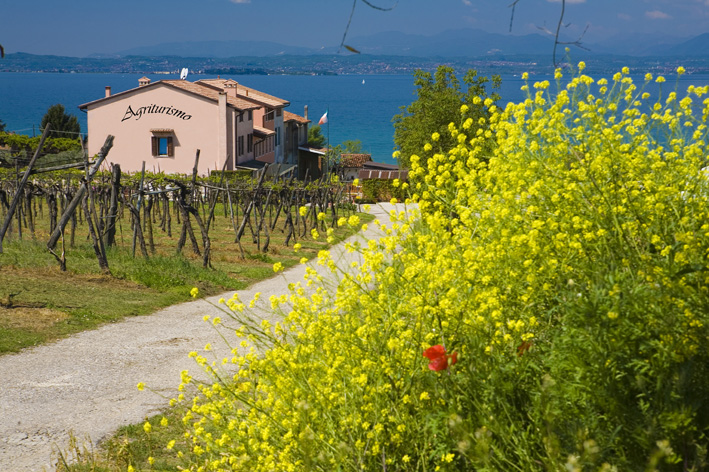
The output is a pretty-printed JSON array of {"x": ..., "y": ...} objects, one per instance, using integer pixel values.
[
  {"x": 349, "y": 21},
  {"x": 576, "y": 43}
]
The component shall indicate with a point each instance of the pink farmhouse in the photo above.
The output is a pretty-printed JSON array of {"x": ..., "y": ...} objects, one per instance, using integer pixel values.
[{"x": 164, "y": 123}]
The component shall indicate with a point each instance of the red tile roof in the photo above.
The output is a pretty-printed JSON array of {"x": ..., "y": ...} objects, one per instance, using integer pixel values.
[
  {"x": 288, "y": 116},
  {"x": 365, "y": 174},
  {"x": 355, "y": 160},
  {"x": 212, "y": 94},
  {"x": 247, "y": 93},
  {"x": 259, "y": 131},
  {"x": 187, "y": 86}
]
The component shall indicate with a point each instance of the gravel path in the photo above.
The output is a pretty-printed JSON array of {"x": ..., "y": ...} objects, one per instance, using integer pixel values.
[{"x": 86, "y": 384}]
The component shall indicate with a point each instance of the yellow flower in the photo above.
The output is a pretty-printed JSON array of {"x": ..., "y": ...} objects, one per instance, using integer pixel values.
[
  {"x": 147, "y": 427},
  {"x": 141, "y": 386},
  {"x": 303, "y": 211},
  {"x": 355, "y": 182},
  {"x": 680, "y": 70},
  {"x": 278, "y": 267},
  {"x": 435, "y": 136},
  {"x": 297, "y": 246},
  {"x": 424, "y": 396},
  {"x": 194, "y": 292}
]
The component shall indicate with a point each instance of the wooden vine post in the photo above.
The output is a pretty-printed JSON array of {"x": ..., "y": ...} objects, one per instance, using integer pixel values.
[
  {"x": 78, "y": 196},
  {"x": 21, "y": 186},
  {"x": 110, "y": 233}
]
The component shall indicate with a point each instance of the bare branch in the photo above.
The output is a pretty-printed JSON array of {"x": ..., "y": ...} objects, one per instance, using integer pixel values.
[
  {"x": 349, "y": 21},
  {"x": 561, "y": 23},
  {"x": 381, "y": 8},
  {"x": 513, "y": 5}
]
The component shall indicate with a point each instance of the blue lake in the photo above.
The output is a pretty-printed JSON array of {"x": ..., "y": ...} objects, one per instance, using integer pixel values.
[{"x": 360, "y": 106}]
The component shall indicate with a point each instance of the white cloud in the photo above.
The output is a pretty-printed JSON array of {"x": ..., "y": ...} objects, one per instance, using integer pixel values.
[
  {"x": 657, "y": 15},
  {"x": 240, "y": 1},
  {"x": 624, "y": 16},
  {"x": 467, "y": 3},
  {"x": 567, "y": 1}
]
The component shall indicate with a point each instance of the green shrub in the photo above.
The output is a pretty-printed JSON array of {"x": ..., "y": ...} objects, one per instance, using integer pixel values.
[{"x": 381, "y": 190}]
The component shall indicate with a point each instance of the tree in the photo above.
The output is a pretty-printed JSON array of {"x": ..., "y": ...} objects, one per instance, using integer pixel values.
[
  {"x": 346, "y": 147},
  {"x": 315, "y": 137},
  {"x": 63, "y": 125},
  {"x": 2, "y": 126},
  {"x": 438, "y": 102},
  {"x": 350, "y": 146}
]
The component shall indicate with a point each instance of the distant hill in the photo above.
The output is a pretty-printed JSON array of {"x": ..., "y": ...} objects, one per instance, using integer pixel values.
[
  {"x": 452, "y": 43},
  {"x": 217, "y": 49},
  {"x": 697, "y": 46}
]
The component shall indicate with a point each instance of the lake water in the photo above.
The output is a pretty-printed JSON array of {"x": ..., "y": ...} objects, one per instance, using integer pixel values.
[{"x": 360, "y": 106}]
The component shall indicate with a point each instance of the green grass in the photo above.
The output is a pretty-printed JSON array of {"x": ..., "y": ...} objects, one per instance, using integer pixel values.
[
  {"x": 130, "y": 446},
  {"x": 40, "y": 303}
]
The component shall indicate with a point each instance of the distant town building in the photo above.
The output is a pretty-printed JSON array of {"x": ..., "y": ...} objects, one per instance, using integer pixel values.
[{"x": 351, "y": 164}]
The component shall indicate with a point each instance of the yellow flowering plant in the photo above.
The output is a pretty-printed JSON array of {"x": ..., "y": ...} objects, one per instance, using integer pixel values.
[{"x": 546, "y": 310}]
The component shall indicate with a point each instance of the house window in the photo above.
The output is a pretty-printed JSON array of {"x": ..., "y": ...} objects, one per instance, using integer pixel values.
[
  {"x": 249, "y": 142},
  {"x": 268, "y": 116},
  {"x": 240, "y": 142},
  {"x": 241, "y": 117},
  {"x": 278, "y": 112},
  {"x": 163, "y": 146},
  {"x": 251, "y": 115},
  {"x": 278, "y": 136}
]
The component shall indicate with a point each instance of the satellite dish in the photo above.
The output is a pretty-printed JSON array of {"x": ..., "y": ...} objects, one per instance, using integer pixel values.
[{"x": 183, "y": 74}]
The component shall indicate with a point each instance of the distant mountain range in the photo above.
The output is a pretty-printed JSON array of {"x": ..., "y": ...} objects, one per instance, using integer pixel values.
[
  {"x": 452, "y": 43},
  {"x": 386, "y": 53}
]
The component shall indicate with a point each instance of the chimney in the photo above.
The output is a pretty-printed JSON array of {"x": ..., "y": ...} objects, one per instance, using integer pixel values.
[
  {"x": 108, "y": 91},
  {"x": 305, "y": 112},
  {"x": 231, "y": 88},
  {"x": 143, "y": 81}
]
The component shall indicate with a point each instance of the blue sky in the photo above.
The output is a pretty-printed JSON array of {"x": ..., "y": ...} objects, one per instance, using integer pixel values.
[{"x": 83, "y": 27}]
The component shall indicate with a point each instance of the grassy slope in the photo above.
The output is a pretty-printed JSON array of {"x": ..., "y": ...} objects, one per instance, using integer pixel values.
[{"x": 39, "y": 303}]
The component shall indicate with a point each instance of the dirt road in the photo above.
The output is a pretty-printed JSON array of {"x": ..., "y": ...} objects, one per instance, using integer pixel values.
[{"x": 86, "y": 384}]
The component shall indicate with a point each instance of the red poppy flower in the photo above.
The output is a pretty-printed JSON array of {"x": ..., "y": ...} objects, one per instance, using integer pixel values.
[
  {"x": 438, "y": 357},
  {"x": 524, "y": 347}
]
